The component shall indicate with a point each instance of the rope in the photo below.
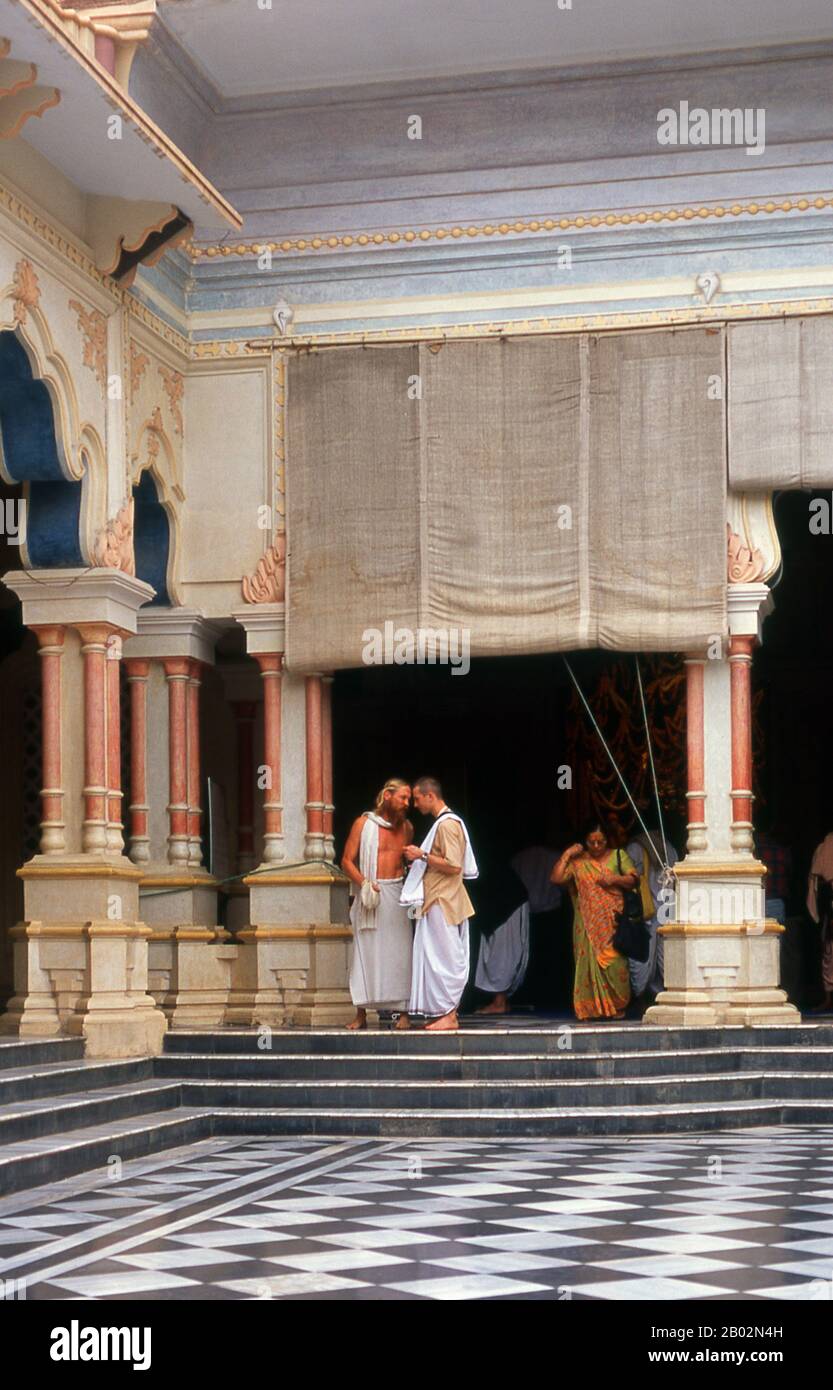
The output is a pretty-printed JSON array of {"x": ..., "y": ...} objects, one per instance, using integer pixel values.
[
  {"x": 250, "y": 873},
  {"x": 664, "y": 863},
  {"x": 660, "y": 860}
]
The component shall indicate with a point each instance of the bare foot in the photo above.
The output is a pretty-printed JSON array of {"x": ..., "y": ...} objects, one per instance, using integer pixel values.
[
  {"x": 360, "y": 1021},
  {"x": 499, "y": 1005},
  {"x": 447, "y": 1024},
  {"x": 403, "y": 1021}
]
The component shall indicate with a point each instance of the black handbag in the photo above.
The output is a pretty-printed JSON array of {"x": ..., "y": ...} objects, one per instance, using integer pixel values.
[{"x": 631, "y": 937}]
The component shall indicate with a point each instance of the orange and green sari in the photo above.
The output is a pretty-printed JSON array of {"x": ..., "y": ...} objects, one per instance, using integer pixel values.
[{"x": 602, "y": 981}]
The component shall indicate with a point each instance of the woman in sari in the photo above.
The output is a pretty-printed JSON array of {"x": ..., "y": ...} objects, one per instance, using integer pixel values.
[{"x": 596, "y": 876}]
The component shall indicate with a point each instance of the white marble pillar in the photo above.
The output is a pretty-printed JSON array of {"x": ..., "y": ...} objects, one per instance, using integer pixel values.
[
  {"x": 293, "y": 962},
  {"x": 721, "y": 954}
]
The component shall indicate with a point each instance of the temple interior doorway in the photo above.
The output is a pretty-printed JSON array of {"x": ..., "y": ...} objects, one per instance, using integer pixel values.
[
  {"x": 792, "y": 676},
  {"x": 517, "y": 756}
]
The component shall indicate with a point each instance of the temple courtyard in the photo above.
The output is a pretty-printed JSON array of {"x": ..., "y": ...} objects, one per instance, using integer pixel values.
[{"x": 744, "y": 1216}]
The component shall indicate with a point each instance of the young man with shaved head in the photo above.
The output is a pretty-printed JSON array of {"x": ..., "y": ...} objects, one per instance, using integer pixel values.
[{"x": 435, "y": 889}]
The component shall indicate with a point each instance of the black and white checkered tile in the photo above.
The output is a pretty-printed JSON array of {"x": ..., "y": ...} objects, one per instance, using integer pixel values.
[{"x": 735, "y": 1216}]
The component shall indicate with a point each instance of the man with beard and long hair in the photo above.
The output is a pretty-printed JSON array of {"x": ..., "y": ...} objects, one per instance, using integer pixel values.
[{"x": 380, "y": 965}]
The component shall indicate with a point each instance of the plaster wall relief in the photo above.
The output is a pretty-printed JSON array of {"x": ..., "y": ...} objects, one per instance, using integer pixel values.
[
  {"x": 279, "y": 484},
  {"x": 156, "y": 433},
  {"x": 753, "y": 548},
  {"x": 267, "y": 582},
  {"x": 66, "y": 369},
  {"x": 93, "y": 327},
  {"x": 113, "y": 548},
  {"x": 37, "y": 306}
]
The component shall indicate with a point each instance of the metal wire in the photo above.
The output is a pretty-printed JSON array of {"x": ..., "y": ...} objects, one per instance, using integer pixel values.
[{"x": 615, "y": 766}]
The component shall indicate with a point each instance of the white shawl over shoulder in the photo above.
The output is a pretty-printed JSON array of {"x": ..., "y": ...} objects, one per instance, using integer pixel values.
[{"x": 412, "y": 891}]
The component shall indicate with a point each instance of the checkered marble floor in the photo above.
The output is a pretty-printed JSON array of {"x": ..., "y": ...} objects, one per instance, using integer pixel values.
[{"x": 747, "y": 1215}]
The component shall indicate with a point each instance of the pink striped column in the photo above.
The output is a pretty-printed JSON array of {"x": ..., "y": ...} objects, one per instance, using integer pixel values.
[
  {"x": 696, "y": 752},
  {"x": 177, "y": 674},
  {"x": 327, "y": 758},
  {"x": 193, "y": 762},
  {"x": 271, "y": 669},
  {"x": 50, "y": 651},
  {"x": 115, "y": 828},
  {"x": 740, "y": 668},
  {"x": 94, "y": 831},
  {"x": 314, "y": 845},
  {"x": 137, "y": 678}
]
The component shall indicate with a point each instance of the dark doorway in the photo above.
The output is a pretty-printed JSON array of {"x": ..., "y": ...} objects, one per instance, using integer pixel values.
[
  {"x": 501, "y": 739},
  {"x": 792, "y": 674}
]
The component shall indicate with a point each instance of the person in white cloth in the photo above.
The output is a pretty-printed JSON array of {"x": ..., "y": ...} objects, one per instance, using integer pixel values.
[
  {"x": 504, "y": 955},
  {"x": 435, "y": 893},
  {"x": 657, "y": 906},
  {"x": 380, "y": 963}
]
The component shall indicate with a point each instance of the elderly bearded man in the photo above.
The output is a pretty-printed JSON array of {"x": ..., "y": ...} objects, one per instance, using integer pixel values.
[
  {"x": 434, "y": 887},
  {"x": 380, "y": 966}
]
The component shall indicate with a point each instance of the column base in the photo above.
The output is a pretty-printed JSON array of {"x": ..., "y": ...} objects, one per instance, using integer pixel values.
[
  {"x": 718, "y": 974},
  {"x": 256, "y": 995},
  {"x": 318, "y": 1008},
  {"x": 85, "y": 979},
  {"x": 748, "y": 1009},
  {"x": 189, "y": 971},
  {"x": 119, "y": 1032},
  {"x": 299, "y": 941},
  {"x": 30, "y": 1016},
  {"x": 114, "y": 1014}
]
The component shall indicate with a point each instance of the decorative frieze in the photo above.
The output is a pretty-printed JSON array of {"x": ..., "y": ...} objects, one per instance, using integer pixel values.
[{"x": 576, "y": 222}]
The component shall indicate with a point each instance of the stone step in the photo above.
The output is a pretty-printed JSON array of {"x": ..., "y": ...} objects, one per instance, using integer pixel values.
[
  {"x": 62, "y": 1078},
  {"x": 578, "y": 1121},
  {"x": 470, "y": 1041},
  {"x": 35, "y": 1052},
  {"x": 397, "y": 1095},
  {"x": 492, "y": 1066},
  {"x": 37, "y": 1119},
  {"x": 33, "y": 1162}
]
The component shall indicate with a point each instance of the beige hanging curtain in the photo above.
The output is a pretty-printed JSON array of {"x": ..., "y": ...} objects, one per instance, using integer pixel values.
[
  {"x": 781, "y": 404},
  {"x": 538, "y": 494}
]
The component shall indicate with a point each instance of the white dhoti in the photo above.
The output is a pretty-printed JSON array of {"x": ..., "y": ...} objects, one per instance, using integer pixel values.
[
  {"x": 504, "y": 955},
  {"x": 380, "y": 957},
  {"x": 648, "y": 974},
  {"x": 441, "y": 964}
]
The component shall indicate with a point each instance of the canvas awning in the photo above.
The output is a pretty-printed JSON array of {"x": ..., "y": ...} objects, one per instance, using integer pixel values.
[
  {"x": 542, "y": 494},
  {"x": 781, "y": 404}
]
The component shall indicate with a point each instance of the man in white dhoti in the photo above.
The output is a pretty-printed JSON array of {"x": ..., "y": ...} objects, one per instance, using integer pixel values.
[
  {"x": 434, "y": 890},
  {"x": 647, "y": 975},
  {"x": 380, "y": 962},
  {"x": 504, "y": 954}
]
